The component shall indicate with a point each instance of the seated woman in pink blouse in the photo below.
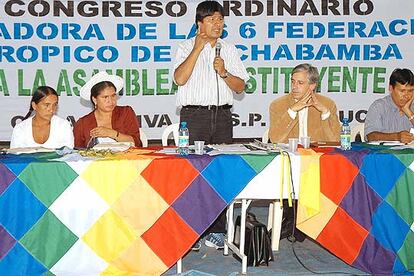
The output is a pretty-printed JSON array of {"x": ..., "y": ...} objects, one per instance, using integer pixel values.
[
  {"x": 44, "y": 128},
  {"x": 107, "y": 122}
]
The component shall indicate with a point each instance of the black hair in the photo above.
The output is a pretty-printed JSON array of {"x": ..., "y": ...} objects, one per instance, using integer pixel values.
[
  {"x": 99, "y": 87},
  {"x": 207, "y": 8},
  {"x": 402, "y": 76},
  {"x": 40, "y": 93}
]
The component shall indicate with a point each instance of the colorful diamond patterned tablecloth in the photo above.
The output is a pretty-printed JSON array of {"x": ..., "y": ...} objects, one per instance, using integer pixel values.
[
  {"x": 366, "y": 213},
  {"x": 138, "y": 214},
  {"x": 132, "y": 214}
]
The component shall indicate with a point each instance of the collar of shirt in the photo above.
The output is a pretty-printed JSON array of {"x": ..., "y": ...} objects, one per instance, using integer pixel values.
[
  {"x": 391, "y": 104},
  {"x": 209, "y": 48}
]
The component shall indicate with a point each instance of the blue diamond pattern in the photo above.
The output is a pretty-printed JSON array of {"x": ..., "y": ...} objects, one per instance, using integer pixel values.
[
  {"x": 228, "y": 183},
  {"x": 381, "y": 171},
  {"x": 20, "y": 262},
  {"x": 18, "y": 163},
  {"x": 399, "y": 268},
  {"x": 19, "y": 200},
  {"x": 388, "y": 227}
]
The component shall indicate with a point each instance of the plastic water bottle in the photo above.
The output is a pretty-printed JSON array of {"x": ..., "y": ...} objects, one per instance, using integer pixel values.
[
  {"x": 345, "y": 135},
  {"x": 183, "y": 139}
]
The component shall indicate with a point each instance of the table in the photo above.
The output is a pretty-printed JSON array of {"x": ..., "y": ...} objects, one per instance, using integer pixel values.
[
  {"x": 132, "y": 212},
  {"x": 366, "y": 211},
  {"x": 142, "y": 212},
  {"x": 268, "y": 184},
  {"x": 358, "y": 204}
]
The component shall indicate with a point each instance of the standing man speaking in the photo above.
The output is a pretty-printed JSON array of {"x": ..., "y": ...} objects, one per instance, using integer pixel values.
[{"x": 207, "y": 70}]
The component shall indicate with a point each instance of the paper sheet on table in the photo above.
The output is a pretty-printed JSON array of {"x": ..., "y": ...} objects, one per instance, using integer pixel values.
[
  {"x": 217, "y": 152},
  {"x": 113, "y": 146},
  {"x": 386, "y": 143},
  {"x": 267, "y": 147},
  {"x": 227, "y": 149},
  {"x": 74, "y": 157},
  {"x": 28, "y": 150},
  {"x": 408, "y": 146},
  {"x": 172, "y": 150},
  {"x": 395, "y": 144},
  {"x": 230, "y": 148}
]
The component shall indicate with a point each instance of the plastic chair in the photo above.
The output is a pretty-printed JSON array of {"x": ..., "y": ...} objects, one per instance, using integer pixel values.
[
  {"x": 265, "y": 136},
  {"x": 171, "y": 129},
  {"x": 357, "y": 128},
  {"x": 143, "y": 138}
]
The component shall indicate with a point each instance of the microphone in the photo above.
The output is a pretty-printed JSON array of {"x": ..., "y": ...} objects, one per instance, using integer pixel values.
[{"x": 218, "y": 48}]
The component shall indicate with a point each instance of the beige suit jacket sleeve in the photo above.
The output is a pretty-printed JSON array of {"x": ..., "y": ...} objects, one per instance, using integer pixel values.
[
  {"x": 281, "y": 124},
  {"x": 331, "y": 126}
]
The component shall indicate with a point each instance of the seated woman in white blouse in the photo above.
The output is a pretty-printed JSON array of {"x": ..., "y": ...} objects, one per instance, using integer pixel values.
[{"x": 44, "y": 129}]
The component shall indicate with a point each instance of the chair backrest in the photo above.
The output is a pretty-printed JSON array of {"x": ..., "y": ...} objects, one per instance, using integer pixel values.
[
  {"x": 143, "y": 138},
  {"x": 357, "y": 128},
  {"x": 171, "y": 129},
  {"x": 265, "y": 136}
]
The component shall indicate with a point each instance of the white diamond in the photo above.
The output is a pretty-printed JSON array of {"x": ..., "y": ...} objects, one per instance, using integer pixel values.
[
  {"x": 266, "y": 184},
  {"x": 79, "y": 207},
  {"x": 79, "y": 260},
  {"x": 412, "y": 166},
  {"x": 79, "y": 167}
]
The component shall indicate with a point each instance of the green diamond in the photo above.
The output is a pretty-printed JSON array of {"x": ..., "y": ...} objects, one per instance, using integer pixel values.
[
  {"x": 405, "y": 156},
  {"x": 47, "y": 180},
  {"x": 406, "y": 252},
  {"x": 400, "y": 197},
  {"x": 47, "y": 155},
  {"x": 258, "y": 162},
  {"x": 48, "y": 240}
]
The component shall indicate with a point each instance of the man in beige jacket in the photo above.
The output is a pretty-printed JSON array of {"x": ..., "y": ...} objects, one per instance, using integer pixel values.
[{"x": 302, "y": 112}]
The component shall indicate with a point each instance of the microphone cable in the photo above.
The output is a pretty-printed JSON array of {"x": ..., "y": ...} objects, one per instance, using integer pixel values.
[
  {"x": 218, "y": 102},
  {"x": 218, "y": 49},
  {"x": 292, "y": 238}
]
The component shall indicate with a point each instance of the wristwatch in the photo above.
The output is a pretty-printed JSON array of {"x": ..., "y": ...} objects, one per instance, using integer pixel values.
[{"x": 225, "y": 75}]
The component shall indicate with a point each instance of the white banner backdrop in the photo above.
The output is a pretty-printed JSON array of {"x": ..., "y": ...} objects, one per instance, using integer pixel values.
[{"x": 355, "y": 44}]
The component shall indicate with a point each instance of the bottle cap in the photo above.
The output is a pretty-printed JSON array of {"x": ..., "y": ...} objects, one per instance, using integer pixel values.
[
  {"x": 345, "y": 121},
  {"x": 183, "y": 124}
]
